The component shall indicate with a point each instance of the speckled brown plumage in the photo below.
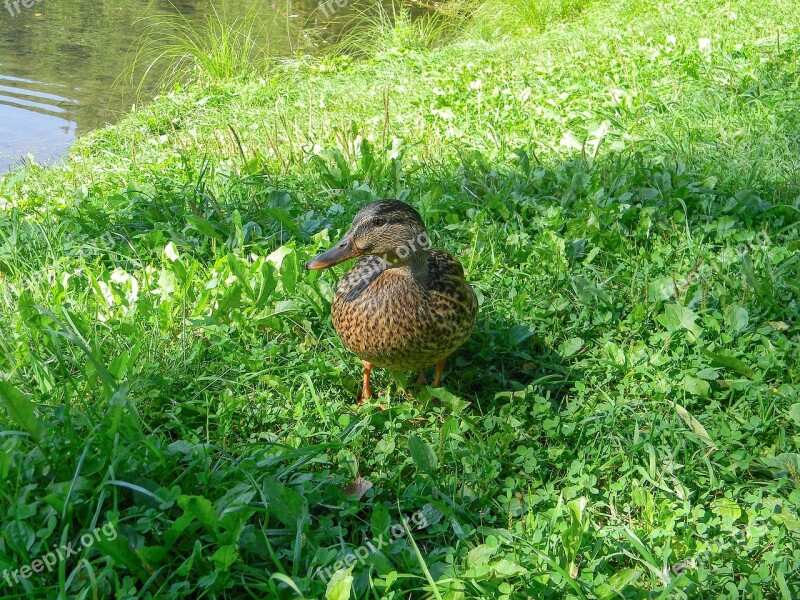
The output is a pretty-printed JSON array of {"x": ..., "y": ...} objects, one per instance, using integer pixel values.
[
  {"x": 393, "y": 318},
  {"x": 403, "y": 305}
]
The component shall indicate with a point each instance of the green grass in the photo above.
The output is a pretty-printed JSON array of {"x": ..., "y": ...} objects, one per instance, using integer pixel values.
[
  {"x": 622, "y": 423},
  {"x": 375, "y": 29},
  {"x": 493, "y": 18},
  {"x": 173, "y": 49}
]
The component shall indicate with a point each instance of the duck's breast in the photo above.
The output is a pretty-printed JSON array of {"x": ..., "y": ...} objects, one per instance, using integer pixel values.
[{"x": 393, "y": 320}]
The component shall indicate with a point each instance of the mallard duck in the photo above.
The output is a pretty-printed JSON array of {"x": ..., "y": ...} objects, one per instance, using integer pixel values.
[{"x": 403, "y": 305}]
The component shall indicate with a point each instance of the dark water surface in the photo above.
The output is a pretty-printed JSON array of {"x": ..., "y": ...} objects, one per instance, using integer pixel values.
[{"x": 61, "y": 61}]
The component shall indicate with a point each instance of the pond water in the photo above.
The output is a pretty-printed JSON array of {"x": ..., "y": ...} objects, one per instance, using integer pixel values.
[{"x": 61, "y": 60}]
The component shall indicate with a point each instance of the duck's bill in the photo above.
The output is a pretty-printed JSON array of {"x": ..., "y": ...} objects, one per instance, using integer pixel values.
[{"x": 344, "y": 250}]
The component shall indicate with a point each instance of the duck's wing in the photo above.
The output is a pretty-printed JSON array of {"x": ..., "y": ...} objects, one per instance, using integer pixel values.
[
  {"x": 442, "y": 265},
  {"x": 448, "y": 285}
]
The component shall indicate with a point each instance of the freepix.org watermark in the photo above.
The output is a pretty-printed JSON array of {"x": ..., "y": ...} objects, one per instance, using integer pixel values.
[
  {"x": 14, "y": 7},
  {"x": 419, "y": 520},
  {"x": 60, "y": 553},
  {"x": 329, "y": 7}
]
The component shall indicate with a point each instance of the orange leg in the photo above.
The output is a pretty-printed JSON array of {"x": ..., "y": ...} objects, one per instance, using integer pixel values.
[
  {"x": 437, "y": 381},
  {"x": 366, "y": 389}
]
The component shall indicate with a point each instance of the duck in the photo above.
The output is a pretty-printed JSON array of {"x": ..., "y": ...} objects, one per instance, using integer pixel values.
[{"x": 403, "y": 305}]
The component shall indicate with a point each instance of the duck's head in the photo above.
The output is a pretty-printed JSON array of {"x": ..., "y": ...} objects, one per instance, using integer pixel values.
[{"x": 390, "y": 229}]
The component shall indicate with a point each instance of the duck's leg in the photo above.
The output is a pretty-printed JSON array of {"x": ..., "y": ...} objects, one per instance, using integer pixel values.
[
  {"x": 437, "y": 381},
  {"x": 421, "y": 379},
  {"x": 366, "y": 389}
]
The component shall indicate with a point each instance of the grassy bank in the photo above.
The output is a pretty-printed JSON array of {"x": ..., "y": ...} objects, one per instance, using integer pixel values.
[{"x": 622, "y": 191}]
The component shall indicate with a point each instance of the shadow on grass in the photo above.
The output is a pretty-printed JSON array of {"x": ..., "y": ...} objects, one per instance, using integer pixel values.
[
  {"x": 505, "y": 356},
  {"x": 537, "y": 233}
]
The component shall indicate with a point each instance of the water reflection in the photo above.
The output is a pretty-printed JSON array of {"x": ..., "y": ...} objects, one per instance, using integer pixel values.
[
  {"x": 60, "y": 59},
  {"x": 35, "y": 119},
  {"x": 23, "y": 132}
]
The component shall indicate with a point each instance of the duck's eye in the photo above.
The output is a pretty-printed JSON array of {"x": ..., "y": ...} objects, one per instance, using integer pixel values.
[{"x": 379, "y": 222}]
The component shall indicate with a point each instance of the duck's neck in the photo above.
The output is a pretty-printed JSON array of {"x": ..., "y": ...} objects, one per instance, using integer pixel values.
[{"x": 415, "y": 266}]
